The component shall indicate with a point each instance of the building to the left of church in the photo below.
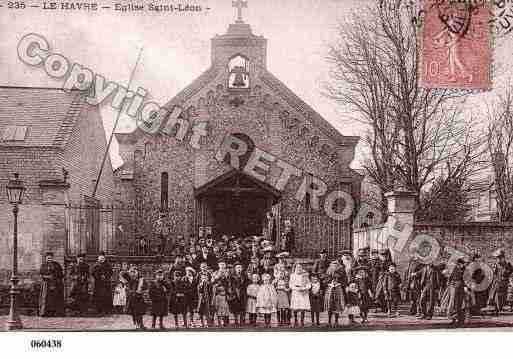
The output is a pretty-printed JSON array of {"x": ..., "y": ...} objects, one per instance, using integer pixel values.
[{"x": 55, "y": 141}]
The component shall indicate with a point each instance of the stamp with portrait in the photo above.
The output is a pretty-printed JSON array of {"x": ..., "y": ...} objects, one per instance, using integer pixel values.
[{"x": 455, "y": 45}]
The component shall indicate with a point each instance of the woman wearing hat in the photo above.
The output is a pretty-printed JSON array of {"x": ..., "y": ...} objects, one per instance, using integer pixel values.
[{"x": 136, "y": 306}]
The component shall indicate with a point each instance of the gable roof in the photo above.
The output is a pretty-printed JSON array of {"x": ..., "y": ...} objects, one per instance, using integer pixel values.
[
  {"x": 235, "y": 174},
  {"x": 49, "y": 114},
  {"x": 286, "y": 94},
  {"x": 279, "y": 90},
  {"x": 200, "y": 82}
]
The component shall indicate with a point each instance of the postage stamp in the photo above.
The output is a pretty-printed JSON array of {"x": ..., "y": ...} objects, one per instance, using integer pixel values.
[{"x": 455, "y": 45}]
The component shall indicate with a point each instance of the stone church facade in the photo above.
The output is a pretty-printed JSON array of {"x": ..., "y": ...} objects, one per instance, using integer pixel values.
[{"x": 190, "y": 189}]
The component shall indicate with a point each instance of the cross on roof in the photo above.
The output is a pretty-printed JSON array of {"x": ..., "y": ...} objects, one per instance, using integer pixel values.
[{"x": 239, "y": 5}]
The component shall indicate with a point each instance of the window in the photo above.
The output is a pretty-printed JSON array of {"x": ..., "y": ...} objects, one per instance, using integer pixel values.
[
  {"x": 164, "y": 186},
  {"x": 308, "y": 199},
  {"x": 239, "y": 73},
  {"x": 14, "y": 133}
]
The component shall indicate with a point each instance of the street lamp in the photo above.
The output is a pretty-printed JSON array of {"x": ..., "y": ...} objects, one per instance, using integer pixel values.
[{"x": 15, "y": 191}]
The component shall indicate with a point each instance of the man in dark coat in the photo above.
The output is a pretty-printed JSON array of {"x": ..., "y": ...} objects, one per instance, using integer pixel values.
[
  {"x": 385, "y": 261},
  {"x": 79, "y": 292},
  {"x": 499, "y": 286},
  {"x": 374, "y": 269},
  {"x": 456, "y": 292},
  {"x": 411, "y": 285},
  {"x": 51, "y": 299},
  {"x": 428, "y": 285},
  {"x": 321, "y": 265},
  {"x": 363, "y": 258},
  {"x": 271, "y": 229},
  {"x": 191, "y": 297},
  {"x": 290, "y": 238},
  {"x": 237, "y": 294},
  {"x": 208, "y": 257},
  {"x": 102, "y": 294}
]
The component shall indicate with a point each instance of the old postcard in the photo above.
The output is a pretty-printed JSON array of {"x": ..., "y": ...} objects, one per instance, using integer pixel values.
[{"x": 243, "y": 166}]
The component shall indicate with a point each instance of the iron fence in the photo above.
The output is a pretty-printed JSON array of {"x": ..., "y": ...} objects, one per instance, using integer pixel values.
[{"x": 93, "y": 229}]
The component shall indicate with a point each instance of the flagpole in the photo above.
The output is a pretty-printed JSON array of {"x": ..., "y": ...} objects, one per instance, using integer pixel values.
[{"x": 115, "y": 125}]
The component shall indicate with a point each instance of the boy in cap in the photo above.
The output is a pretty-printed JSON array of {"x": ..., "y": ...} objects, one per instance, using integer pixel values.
[
  {"x": 158, "y": 292},
  {"x": 392, "y": 290},
  {"x": 177, "y": 302}
]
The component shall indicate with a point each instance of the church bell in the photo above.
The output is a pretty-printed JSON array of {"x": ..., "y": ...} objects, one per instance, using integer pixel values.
[{"x": 239, "y": 77}]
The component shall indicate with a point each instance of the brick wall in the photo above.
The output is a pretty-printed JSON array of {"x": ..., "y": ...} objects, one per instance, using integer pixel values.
[
  {"x": 41, "y": 228},
  {"x": 33, "y": 164}
]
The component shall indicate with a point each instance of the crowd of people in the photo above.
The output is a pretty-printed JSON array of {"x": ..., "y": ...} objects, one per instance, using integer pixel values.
[{"x": 236, "y": 281}]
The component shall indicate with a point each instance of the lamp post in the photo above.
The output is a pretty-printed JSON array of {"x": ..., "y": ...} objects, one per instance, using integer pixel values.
[{"x": 15, "y": 191}]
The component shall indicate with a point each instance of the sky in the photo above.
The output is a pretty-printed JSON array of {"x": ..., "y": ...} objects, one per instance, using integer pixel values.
[{"x": 176, "y": 47}]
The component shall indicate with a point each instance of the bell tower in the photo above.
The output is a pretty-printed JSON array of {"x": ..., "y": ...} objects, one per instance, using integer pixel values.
[{"x": 239, "y": 52}]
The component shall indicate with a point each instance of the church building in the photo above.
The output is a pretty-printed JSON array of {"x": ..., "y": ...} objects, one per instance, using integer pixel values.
[{"x": 190, "y": 190}]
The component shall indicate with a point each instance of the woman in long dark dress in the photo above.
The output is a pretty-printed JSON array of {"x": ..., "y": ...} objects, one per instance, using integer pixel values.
[{"x": 136, "y": 306}]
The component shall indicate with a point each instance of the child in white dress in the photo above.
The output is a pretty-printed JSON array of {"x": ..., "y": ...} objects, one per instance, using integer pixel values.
[
  {"x": 119, "y": 299},
  {"x": 251, "y": 304},
  {"x": 300, "y": 298},
  {"x": 267, "y": 299}
]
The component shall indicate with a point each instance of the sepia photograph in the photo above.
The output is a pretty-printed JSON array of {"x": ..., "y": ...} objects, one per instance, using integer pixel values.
[{"x": 220, "y": 166}]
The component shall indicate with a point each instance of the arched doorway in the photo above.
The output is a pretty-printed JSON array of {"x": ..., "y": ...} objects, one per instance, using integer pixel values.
[{"x": 236, "y": 204}]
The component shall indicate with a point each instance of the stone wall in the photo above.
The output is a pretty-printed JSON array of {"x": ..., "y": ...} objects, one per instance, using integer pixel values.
[
  {"x": 465, "y": 237},
  {"x": 484, "y": 237}
]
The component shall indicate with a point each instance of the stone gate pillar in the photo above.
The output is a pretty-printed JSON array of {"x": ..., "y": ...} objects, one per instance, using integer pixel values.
[{"x": 402, "y": 205}]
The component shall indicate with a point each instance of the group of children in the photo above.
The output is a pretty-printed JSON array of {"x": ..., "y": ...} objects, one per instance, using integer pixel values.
[{"x": 214, "y": 296}]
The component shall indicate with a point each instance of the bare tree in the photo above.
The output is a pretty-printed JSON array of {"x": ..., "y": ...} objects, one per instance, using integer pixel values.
[
  {"x": 500, "y": 147},
  {"x": 415, "y": 135}
]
